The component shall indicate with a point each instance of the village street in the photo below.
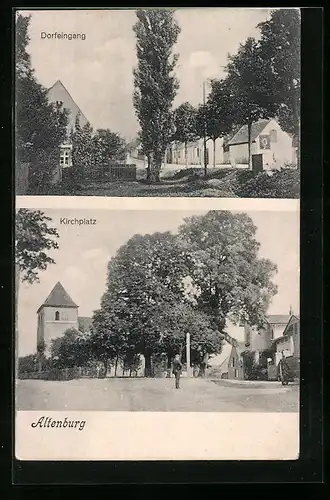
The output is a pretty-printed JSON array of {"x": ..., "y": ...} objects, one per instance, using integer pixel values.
[{"x": 134, "y": 394}]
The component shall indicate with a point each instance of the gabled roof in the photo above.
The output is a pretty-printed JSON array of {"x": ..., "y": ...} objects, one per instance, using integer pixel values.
[
  {"x": 294, "y": 316},
  {"x": 59, "y": 83},
  {"x": 58, "y": 297},
  {"x": 241, "y": 137},
  {"x": 278, "y": 319}
]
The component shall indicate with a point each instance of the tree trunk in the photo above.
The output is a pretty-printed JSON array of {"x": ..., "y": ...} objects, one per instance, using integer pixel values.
[
  {"x": 203, "y": 366},
  {"x": 148, "y": 167},
  {"x": 214, "y": 162},
  {"x": 186, "y": 153},
  {"x": 147, "y": 366},
  {"x": 205, "y": 156},
  {"x": 249, "y": 144},
  {"x": 130, "y": 372},
  {"x": 116, "y": 365},
  {"x": 105, "y": 364}
]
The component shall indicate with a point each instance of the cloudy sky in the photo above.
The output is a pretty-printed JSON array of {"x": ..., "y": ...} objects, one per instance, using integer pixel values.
[
  {"x": 81, "y": 261},
  {"x": 97, "y": 71}
]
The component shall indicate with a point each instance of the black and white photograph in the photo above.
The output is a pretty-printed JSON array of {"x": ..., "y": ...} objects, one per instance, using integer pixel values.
[
  {"x": 157, "y": 311},
  {"x": 187, "y": 102}
]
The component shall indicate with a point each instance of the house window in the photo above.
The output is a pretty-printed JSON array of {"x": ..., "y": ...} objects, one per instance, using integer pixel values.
[
  {"x": 233, "y": 362},
  {"x": 57, "y": 316},
  {"x": 273, "y": 136},
  {"x": 59, "y": 103},
  {"x": 65, "y": 158},
  {"x": 198, "y": 152}
]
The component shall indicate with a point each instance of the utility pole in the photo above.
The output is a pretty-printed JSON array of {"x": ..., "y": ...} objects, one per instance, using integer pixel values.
[
  {"x": 188, "y": 355},
  {"x": 205, "y": 155}
]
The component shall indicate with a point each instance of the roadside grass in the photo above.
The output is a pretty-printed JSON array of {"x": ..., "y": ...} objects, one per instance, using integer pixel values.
[{"x": 191, "y": 182}]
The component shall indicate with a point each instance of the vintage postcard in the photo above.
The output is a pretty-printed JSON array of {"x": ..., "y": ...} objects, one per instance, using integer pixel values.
[
  {"x": 150, "y": 319},
  {"x": 195, "y": 102},
  {"x": 157, "y": 234}
]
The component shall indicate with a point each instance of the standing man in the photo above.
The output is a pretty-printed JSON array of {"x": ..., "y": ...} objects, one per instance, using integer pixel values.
[{"x": 177, "y": 369}]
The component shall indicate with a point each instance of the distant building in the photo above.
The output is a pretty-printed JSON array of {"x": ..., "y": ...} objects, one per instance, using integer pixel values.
[
  {"x": 59, "y": 95},
  {"x": 56, "y": 315},
  {"x": 195, "y": 153},
  {"x": 271, "y": 147}
]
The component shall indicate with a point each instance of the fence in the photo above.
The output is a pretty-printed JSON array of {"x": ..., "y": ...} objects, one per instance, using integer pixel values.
[
  {"x": 21, "y": 178},
  {"x": 64, "y": 374},
  {"x": 99, "y": 173}
]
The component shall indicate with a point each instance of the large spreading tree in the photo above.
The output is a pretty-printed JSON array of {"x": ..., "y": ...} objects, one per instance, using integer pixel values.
[
  {"x": 155, "y": 84},
  {"x": 41, "y": 126},
  {"x": 230, "y": 281}
]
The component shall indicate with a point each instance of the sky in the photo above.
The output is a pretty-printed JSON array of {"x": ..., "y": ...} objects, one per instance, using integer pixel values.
[
  {"x": 84, "y": 252},
  {"x": 97, "y": 71}
]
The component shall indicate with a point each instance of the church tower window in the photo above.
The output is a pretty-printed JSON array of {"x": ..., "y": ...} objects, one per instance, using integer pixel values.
[{"x": 57, "y": 315}]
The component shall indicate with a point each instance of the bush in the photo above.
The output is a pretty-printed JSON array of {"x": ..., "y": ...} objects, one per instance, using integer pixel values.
[{"x": 284, "y": 184}]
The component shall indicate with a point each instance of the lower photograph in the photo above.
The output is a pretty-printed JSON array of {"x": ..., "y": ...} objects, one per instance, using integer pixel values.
[{"x": 157, "y": 334}]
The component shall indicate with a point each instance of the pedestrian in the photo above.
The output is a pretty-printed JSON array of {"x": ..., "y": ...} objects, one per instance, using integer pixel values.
[
  {"x": 177, "y": 369},
  {"x": 285, "y": 372}
]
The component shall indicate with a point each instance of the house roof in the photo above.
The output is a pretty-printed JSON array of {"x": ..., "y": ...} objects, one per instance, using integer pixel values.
[
  {"x": 59, "y": 83},
  {"x": 278, "y": 319},
  {"x": 241, "y": 137},
  {"x": 58, "y": 297},
  {"x": 85, "y": 323},
  {"x": 294, "y": 316}
]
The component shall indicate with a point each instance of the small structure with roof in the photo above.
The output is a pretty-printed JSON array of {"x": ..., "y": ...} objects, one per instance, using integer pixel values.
[{"x": 271, "y": 147}]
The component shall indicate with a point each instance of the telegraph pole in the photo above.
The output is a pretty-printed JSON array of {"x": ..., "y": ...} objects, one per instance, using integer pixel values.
[
  {"x": 188, "y": 355},
  {"x": 205, "y": 157}
]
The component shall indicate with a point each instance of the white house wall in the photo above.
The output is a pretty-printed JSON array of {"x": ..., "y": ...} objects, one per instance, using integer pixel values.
[{"x": 280, "y": 153}]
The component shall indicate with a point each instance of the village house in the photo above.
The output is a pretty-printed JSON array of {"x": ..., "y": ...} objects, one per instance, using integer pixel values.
[
  {"x": 289, "y": 345},
  {"x": 271, "y": 147},
  {"x": 59, "y": 95}
]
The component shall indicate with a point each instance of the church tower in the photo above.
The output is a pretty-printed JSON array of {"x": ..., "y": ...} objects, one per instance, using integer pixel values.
[{"x": 56, "y": 315}]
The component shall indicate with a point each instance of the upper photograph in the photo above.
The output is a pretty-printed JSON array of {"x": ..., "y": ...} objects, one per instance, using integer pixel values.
[{"x": 187, "y": 102}]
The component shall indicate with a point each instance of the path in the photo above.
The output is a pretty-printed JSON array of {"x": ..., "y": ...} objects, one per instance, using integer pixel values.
[{"x": 153, "y": 395}]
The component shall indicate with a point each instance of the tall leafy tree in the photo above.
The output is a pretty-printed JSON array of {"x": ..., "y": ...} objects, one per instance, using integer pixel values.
[
  {"x": 82, "y": 145},
  {"x": 218, "y": 113},
  {"x": 108, "y": 146},
  {"x": 280, "y": 48},
  {"x": 230, "y": 280},
  {"x": 185, "y": 125},
  {"x": 155, "y": 84},
  {"x": 40, "y": 125},
  {"x": 249, "y": 84},
  {"x": 144, "y": 277},
  {"x": 34, "y": 238}
]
